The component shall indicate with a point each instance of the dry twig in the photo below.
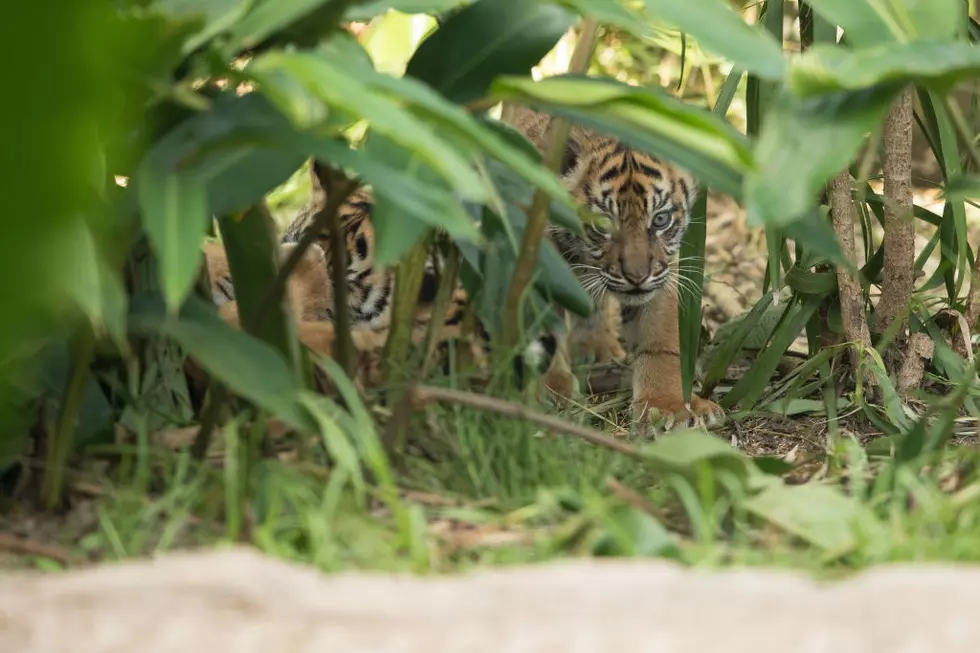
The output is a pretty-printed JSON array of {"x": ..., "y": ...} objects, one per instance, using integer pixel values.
[{"x": 425, "y": 394}]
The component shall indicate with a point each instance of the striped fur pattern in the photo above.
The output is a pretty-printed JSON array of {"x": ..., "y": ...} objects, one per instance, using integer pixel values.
[{"x": 639, "y": 209}]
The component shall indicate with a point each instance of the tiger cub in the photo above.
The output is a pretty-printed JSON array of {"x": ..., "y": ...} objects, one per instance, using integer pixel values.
[
  {"x": 370, "y": 290},
  {"x": 628, "y": 258}
]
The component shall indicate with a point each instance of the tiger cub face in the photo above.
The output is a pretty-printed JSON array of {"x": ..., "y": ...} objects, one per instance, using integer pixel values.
[{"x": 639, "y": 208}]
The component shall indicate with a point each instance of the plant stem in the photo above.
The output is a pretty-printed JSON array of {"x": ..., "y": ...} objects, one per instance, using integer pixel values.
[
  {"x": 851, "y": 299},
  {"x": 423, "y": 394},
  {"x": 60, "y": 445},
  {"x": 963, "y": 129},
  {"x": 217, "y": 394},
  {"x": 344, "y": 188},
  {"x": 537, "y": 218},
  {"x": 899, "y": 239},
  {"x": 340, "y": 189}
]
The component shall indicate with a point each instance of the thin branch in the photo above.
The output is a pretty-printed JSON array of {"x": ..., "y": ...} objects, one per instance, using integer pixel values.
[
  {"x": 537, "y": 218},
  {"x": 632, "y": 497},
  {"x": 217, "y": 395},
  {"x": 22, "y": 546},
  {"x": 963, "y": 129},
  {"x": 426, "y": 394},
  {"x": 320, "y": 220},
  {"x": 899, "y": 239},
  {"x": 851, "y": 298},
  {"x": 340, "y": 189}
]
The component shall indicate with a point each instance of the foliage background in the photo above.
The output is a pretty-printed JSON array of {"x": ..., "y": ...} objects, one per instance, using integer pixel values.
[{"x": 103, "y": 313}]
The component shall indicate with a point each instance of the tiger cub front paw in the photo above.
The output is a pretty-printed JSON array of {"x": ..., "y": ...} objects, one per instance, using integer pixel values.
[{"x": 667, "y": 414}]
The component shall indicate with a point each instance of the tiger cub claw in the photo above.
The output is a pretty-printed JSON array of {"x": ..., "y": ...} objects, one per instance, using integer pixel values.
[{"x": 656, "y": 416}]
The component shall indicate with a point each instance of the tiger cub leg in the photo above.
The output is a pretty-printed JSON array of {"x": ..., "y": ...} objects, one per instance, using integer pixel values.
[
  {"x": 653, "y": 335},
  {"x": 601, "y": 336},
  {"x": 559, "y": 378}
]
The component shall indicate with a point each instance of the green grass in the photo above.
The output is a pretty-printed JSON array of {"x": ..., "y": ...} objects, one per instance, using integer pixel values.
[{"x": 478, "y": 489}]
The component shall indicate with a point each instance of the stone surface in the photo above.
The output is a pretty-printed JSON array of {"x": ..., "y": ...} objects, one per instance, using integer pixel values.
[{"x": 237, "y": 601}]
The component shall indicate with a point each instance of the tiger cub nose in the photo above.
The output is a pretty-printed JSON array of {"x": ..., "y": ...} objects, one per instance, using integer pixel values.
[{"x": 636, "y": 274}]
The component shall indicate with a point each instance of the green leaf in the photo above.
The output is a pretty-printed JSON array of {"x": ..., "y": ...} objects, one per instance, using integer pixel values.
[
  {"x": 89, "y": 281},
  {"x": 817, "y": 514},
  {"x": 864, "y": 23},
  {"x": 751, "y": 386},
  {"x": 176, "y": 217},
  {"x": 214, "y": 147},
  {"x": 431, "y": 204},
  {"x": 459, "y": 127},
  {"x": 611, "y": 14},
  {"x": 826, "y": 68},
  {"x": 717, "y": 28},
  {"x": 218, "y": 16},
  {"x": 811, "y": 283},
  {"x": 252, "y": 249},
  {"x": 869, "y": 22},
  {"x": 396, "y": 231},
  {"x": 751, "y": 330},
  {"x": 266, "y": 17},
  {"x": 487, "y": 39},
  {"x": 554, "y": 278},
  {"x": 517, "y": 191},
  {"x": 646, "y": 119},
  {"x": 805, "y": 142},
  {"x": 248, "y": 366},
  {"x": 684, "y": 452},
  {"x": 392, "y": 39},
  {"x": 364, "y": 11},
  {"x": 962, "y": 187},
  {"x": 634, "y": 533},
  {"x": 330, "y": 80}
]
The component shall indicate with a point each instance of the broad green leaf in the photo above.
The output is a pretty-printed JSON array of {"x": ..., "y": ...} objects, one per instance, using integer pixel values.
[
  {"x": 176, "y": 217},
  {"x": 248, "y": 366},
  {"x": 218, "y": 16},
  {"x": 266, "y": 17},
  {"x": 870, "y": 22},
  {"x": 634, "y": 533},
  {"x": 484, "y": 40},
  {"x": 825, "y": 68},
  {"x": 517, "y": 191},
  {"x": 717, "y": 28},
  {"x": 90, "y": 283},
  {"x": 393, "y": 38},
  {"x": 805, "y": 142},
  {"x": 864, "y": 22},
  {"x": 213, "y": 147},
  {"x": 49, "y": 379},
  {"x": 817, "y": 514},
  {"x": 252, "y": 249},
  {"x": 646, "y": 119},
  {"x": 363, "y": 11},
  {"x": 609, "y": 12},
  {"x": 429, "y": 203},
  {"x": 460, "y": 128},
  {"x": 811, "y": 283},
  {"x": 815, "y": 229},
  {"x": 396, "y": 230},
  {"x": 336, "y": 86},
  {"x": 555, "y": 279},
  {"x": 684, "y": 452}
]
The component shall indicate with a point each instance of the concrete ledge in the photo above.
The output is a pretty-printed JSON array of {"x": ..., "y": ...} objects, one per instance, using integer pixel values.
[{"x": 238, "y": 601}]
